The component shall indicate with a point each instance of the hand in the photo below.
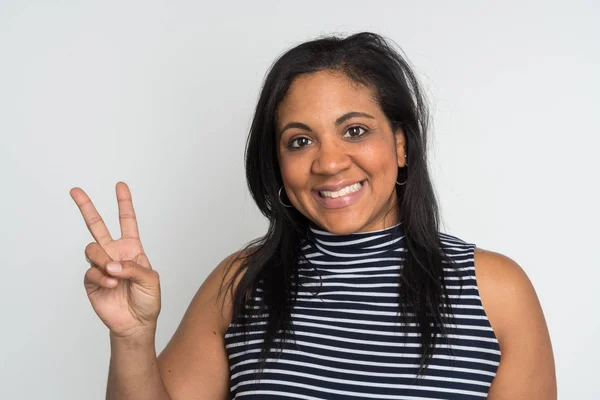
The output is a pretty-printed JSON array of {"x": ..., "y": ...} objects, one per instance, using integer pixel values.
[{"x": 127, "y": 301}]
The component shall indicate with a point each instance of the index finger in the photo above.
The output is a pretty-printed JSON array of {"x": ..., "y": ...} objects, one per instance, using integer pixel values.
[{"x": 92, "y": 218}]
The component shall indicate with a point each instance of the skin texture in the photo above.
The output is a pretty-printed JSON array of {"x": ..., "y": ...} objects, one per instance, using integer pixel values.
[
  {"x": 327, "y": 153},
  {"x": 527, "y": 363},
  {"x": 194, "y": 364}
]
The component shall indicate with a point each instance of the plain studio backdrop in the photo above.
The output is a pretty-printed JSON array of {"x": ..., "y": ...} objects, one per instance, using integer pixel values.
[{"x": 160, "y": 95}]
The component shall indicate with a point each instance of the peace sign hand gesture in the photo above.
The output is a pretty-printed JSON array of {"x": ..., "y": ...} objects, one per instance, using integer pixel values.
[{"x": 126, "y": 299}]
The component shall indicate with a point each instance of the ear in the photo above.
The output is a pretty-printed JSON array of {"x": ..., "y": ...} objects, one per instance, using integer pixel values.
[{"x": 400, "y": 139}]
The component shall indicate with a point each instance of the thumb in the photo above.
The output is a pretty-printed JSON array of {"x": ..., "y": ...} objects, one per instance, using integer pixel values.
[{"x": 134, "y": 272}]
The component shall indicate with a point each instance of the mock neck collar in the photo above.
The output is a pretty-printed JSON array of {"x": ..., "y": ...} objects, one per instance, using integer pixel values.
[{"x": 363, "y": 243}]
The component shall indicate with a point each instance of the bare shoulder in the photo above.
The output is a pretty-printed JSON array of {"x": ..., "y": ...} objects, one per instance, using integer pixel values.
[
  {"x": 194, "y": 363},
  {"x": 500, "y": 280},
  {"x": 515, "y": 313},
  {"x": 217, "y": 290}
]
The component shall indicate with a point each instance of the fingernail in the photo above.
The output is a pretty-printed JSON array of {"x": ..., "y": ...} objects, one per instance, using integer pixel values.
[{"x": 114, "y": 267}]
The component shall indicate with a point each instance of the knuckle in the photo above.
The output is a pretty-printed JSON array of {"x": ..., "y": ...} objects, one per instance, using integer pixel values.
[
  {"x": 94, "y": 219},
  {"x": 125, "y": 215},
  {"x": 155, "y": 275}
]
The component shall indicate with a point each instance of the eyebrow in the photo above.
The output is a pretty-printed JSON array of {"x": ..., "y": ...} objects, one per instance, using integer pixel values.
[{"x": 339, "y": 121}]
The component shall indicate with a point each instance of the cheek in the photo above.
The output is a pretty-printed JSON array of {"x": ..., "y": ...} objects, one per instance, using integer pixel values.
[
  {"x": 380, "y": 161},
  {"x": 293, "y": 172}
]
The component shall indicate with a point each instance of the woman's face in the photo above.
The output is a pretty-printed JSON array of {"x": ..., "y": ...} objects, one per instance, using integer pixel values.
[{"x": 338, "y": 156}]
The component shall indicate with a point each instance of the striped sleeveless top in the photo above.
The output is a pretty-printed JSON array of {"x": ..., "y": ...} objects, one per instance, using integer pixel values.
[{"x": 348, "y": 343}]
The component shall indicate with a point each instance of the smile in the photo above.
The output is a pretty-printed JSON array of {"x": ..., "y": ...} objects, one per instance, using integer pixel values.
[
  {"x": 344, "y": 197},
  {"x": 342, "y": 192}
]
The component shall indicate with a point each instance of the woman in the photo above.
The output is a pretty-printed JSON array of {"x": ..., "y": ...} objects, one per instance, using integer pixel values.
[{"x": 353, "y": 292}]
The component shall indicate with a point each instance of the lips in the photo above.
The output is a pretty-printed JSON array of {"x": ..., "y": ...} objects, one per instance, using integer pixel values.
[
  {"x": 342, "y": 192},
  {"x": 345, "y": 200},
  {"x": 337, "y": 186}
]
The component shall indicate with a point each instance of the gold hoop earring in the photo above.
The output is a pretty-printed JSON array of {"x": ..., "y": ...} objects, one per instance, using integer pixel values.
[
  {"x": 281, "y": 201},
  {"x": 406, "y": 180}
]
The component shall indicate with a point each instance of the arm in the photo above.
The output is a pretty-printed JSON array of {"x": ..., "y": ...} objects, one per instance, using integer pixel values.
[
  {"x": 194, "y": 364},
  {"x": 127, "y": 300},
  {"x": 527, "y": 363},
  {"x": 133, "y": 372}
]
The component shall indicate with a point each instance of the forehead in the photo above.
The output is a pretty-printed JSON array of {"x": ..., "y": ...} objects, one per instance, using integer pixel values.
[{"x": 325, "y": 95}]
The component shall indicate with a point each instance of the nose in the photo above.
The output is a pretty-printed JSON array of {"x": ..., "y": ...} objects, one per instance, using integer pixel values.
[{"x": 330, "y": 159}]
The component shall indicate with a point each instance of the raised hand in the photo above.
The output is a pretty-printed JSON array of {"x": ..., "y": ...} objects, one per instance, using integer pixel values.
[{"x": 127, "y": 299}]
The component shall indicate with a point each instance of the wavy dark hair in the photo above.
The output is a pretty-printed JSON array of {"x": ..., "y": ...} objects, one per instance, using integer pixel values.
[{"x": 370, "y": 60}]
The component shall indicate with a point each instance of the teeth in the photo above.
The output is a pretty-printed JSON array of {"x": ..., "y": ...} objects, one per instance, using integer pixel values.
[{"x": 342, "y": 192}]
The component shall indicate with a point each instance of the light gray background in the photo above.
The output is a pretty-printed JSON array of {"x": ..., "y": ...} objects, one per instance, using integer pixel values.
[{"x": 160, "y": 95}]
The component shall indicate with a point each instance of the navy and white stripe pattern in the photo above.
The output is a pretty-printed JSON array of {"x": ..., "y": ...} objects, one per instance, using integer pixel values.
[{"x": 348, "y": 341}]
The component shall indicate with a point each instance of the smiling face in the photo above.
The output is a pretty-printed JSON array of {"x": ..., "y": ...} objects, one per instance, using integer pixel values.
[{"x": 338, "y": 155}]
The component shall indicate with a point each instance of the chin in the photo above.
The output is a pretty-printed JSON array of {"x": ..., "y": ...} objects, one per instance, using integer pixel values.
[{"x": 340, "y": 225}]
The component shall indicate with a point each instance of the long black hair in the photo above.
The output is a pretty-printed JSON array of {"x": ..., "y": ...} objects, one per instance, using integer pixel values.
[{"x": 371, "y": 60}]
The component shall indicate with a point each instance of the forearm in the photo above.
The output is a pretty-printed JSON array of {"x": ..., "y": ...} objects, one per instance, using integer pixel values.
[{"x": 133, "y": 372}]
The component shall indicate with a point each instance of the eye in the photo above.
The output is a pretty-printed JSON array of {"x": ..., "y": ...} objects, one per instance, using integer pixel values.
[
  {"x": 355, "y": 132},
  {"x": 299, "y": 142}
]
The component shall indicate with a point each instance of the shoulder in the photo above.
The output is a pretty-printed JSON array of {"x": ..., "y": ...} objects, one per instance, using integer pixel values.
[
  {"x": 506, "y": 291},
  {"x": 221, "y": 284},
  {"x": 212, "y": 304},
  {"x": 510, "y": 301},
  {"x": 504, "y": 287},
  {"x": 229, "y": 268}
]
